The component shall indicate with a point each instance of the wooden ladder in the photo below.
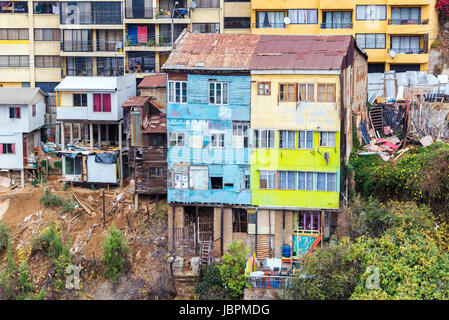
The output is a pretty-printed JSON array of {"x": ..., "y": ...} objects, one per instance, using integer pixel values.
[{"x": 206, "y": 248}]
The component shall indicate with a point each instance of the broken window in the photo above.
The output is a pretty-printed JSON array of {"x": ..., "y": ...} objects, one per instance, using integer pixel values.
[
  {"x": 217, "y": 140},
  {"x": 240, "y": 135},
  {"x": 287, "y": 139},
  {"x": 156, "y": 172},
  {"x": 176, "y": 139},
  {"x": 327, "y": 139},
  {"x": 216, "y": 182},
  {"x": 199, "y": 176},
  {"x": 305, "y": 140},
  {"x": 239, "y": 220},
  {"x": 267, "y": 180}
]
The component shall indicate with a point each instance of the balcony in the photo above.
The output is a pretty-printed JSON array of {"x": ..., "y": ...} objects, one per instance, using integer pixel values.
[
  {"x": 407, "y": 26},
  {"x": 336, "y": 25},
  {"x": 132, "y": 44},
  {"x": 77, "y": 46},
  {"x": 156, "y": 13},
  {"x": 408, "y": 55}
]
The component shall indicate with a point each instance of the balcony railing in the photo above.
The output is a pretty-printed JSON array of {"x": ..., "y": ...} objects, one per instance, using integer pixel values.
[
  {"x": 151, "y": 42},
  {"x": 142, "y": 12},
  {"x": 273, "y": 282},
  {"x": 336, "y": 26},
  {"x": 77, "y": 46},
  {"x": 407, "y": 21},
  {"x": 409, "y": 50},
  {"x": 270, "y": 25}
]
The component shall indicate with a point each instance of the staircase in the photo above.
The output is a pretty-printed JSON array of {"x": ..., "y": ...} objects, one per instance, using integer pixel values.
[
  {"x": 205, "y": 250},
  {"x": 377, "y": 118}
]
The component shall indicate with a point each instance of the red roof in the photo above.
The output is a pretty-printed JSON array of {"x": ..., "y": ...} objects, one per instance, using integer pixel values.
[
  {"x": 154, "y": 124},
  {"x": 135, "y": 101},
  {"x": 154, "y": 80},
  {"x": 158, "y": 105},
  {"x": 300, "y": 52}
]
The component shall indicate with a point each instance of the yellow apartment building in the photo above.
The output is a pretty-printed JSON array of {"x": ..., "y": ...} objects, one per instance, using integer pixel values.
[
  {"x": 396, "y": 34},
  {"x": 41, "y": 42}
]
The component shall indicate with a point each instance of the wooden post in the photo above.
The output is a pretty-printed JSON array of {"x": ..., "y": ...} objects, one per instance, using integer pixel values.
[
  {"x": 46, "y": 168},
  {"x": 71, "y": 132},
  {"x": 104, "y": 212},
  {"x": 22, "y": 178},
  {"x": 120, "y": 148},
  {"x": 173, "y": 227},
  {"x": 91, "y": 136},
  {"x": 107, "y": 133},
  {"x": 136, "y": 203},
  {"x": 99, "y": 135},
  {"x": 197, "y": 223},
  {"x": 62, "y": 135},
  {"x": 79, "y": 132}
]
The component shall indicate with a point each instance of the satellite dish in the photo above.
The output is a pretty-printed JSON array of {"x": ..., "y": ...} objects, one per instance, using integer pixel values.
[
  {"x": 193, "y": 4},
  {"x": 392, "y": 53},
  {"x": 287, "y": 20}
]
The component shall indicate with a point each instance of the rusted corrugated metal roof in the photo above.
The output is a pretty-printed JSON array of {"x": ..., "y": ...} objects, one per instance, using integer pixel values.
[
  {"x": 135, "y": 101},
  {"x": 300, "y": 52},
  {"x": 154, "y": 80},
  {"x": 212, "y": 51},
  {"x": 154, "y": 124}
]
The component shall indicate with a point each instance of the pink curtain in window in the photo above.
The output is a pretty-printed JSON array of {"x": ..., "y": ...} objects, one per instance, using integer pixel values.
[
  {"x": 17, "y": 113},
  {"x": 97, "y": 102},
  {"x": 142, "y": 34},
  {"x": 13, "y": 148},
  {"x": 106, "y": 102},
  {"x": 1, "y": 148}
]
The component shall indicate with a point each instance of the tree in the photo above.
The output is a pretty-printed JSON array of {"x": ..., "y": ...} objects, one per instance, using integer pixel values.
[
  {"x": 233, "y": 268},
  {"x": 211, "y": 285}
]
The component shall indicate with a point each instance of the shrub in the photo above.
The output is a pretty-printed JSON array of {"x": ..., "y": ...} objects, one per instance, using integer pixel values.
[
  {"x": 233, "y": 268},
  {"x": 115, "y": 249},
  {"x": 4, "y": 236},
  {"x": 57, "y": 164},
  {"x": 50, "y": 200},
  {"x": 210, "y": 286}
]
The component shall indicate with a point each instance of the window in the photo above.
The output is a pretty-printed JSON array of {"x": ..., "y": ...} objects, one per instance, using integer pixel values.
[
  {"x": 33, "y": 110},
  {"x": 77, "y": 40},
  {"x": 47, "y": 61},
  {"x": 73, "y": 166},
  {"x": 102, "y": 102},
  {"x": 14, "y": 34},
  {"x": 305, "y": 140},
  {"x": 247, "y": 182},
  {"x": 326, "y": 181},
  {"x": 14, "y": 113},
  {"x": 237, "y": 22},
  {"x": 177, "y": 91},
  {"x": 287, "y": 139},
  {"x": 47, "y": 35},
  {"x": 91, "y": 12},
  {"x": 326, "y": 93},
  {"x": 79, "y": 66},
  {"x": 287, "y": 180},
  {"x": 264, "y": 139},
  {"x": 199, "y": 177},
  {"x": 208, "y": 3},
  {"x": 141, "y": 62},
  {"x": 337, "y": 20},
  {"x": 218, "y": 93},
  {"x": 176, "y": 139},
  {"x": 241, "y": 130},
  {"x": 303, "y": 16},
  {"x": 307, "y": 92},
  {"x": 305, "y": 181},
  {"x": 205, "y": 27},
  {"x": 216, "y": 182},
  {"x": 264, "y": 88},
  {"x": 13, "y": 7},
  {"x": 267, "y": 180},
  {"x": 156, "y": 172},
  {"x": 371, "y": 40},
  {"x": 239, "y": 220},
  {"x": 288, "y": 92},
  {"x": 7, "y": 148},
  {"x": 217, "y": 140},
  {"x": 109, "y": 40},
  {"x": 371, "y": 12},
  {"x": 405, "y": 15},
  {"x": 270, "y": 19},
  {"x": 405, "y": 44},
  {"x": 46, "y": 7},
  {"x": 110, "y": 66},
  {"x": 327, "y": 139},
  {"x": 80, "y": 99},
  {"x": 14, "y": 61}
]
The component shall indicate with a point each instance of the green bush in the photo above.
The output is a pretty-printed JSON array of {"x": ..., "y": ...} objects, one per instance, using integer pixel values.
[
  {"x": 50, "y": 200},
  {"x": 233, "y": 268},
  {"x": 115, "y": 249},
  {"x": 210, "y": 286},
  {"x": 57, "y": 164},
  {"x": 4, "y": 236}
]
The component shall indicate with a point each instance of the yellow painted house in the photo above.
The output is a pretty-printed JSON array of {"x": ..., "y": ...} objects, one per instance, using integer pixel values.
[
  {"x": 305, "y": 93},
  {"x": 396, "y": 34}
]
